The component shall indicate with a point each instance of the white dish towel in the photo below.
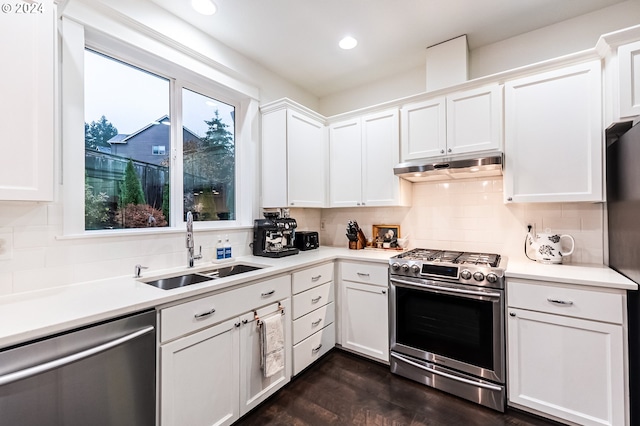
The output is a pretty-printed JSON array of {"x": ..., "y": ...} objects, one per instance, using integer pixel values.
[{"x": 272, "y": 344}]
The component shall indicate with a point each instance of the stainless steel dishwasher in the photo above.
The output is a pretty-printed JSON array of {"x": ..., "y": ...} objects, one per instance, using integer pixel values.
[{"x": 102, "y": 374}]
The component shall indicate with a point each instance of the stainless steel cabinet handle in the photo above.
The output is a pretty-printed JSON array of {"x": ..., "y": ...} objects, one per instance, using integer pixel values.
[
  {"x": 443, "y": 374},
  {"x": 316, "y": 278},
  {"x": 316, "y": 300},
  {"x": 560, "y": 302},
  {"x": 268, "y": 293},
  {"x": 41, "y": 368},
  {"x": 315, "y": 350},
  {"x": 204, "y": 314},
  {"x": 363, "y": 274},
  {"x": 313, "y": 324}
]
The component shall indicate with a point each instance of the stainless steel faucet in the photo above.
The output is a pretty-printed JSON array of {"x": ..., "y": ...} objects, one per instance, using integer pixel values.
[{"x": 190, "y": 256}]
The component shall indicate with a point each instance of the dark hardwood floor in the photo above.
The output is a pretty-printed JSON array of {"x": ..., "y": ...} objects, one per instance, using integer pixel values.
[{"x": 344, "y": 389}]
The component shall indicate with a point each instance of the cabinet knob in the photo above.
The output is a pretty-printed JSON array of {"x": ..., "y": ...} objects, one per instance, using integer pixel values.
[
  {"x": 357, "y": 204},
  {"x": 244, "y": 321},
  {"x": 293, "y": 204},
  {"x": 449, "y": 150},
  {"x": 363, "y": 204},
  {"x": 512, "y": 314},
  {"x": 384, "y": 291},
  {"x": 442, "y": 151},
  {"x": 510, "y": 199}
]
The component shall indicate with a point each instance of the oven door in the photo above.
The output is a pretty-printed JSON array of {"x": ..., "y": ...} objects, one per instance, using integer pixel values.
[{"x": 452, "y": 325}]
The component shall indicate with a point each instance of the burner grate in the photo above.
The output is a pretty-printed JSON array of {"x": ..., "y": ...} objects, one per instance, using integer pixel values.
[{"x": 450, "y": 256}]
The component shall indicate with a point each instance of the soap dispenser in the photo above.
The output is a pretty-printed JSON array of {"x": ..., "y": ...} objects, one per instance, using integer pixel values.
[
  {"x": 219, "y": 249},
  {"x": 227, "y": 247}
]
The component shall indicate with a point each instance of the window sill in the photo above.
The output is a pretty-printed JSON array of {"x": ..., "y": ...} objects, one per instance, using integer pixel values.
[{"x": 152, "y": 231}]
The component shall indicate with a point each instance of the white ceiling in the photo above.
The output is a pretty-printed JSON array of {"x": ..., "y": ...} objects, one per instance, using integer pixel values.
[{"x": 298, "y": 39}]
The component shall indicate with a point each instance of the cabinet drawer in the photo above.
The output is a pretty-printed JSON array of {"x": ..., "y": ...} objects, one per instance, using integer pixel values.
[
  {"x": 369, "y": 273},
  {"x": 196, "y": 314},
  {"x": 313, "y": 347},
  {"x": 308, "y": 324},
  {"x": 307, "y": 301},
  {"x": 589, "y": 303},
  {"x": 309, "y": 278}
]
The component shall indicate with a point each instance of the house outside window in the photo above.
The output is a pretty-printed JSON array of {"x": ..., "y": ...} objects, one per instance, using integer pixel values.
[{"x": 158, "y": 150}]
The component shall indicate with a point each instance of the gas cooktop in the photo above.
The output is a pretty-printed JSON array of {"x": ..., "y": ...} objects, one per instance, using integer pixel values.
[
  {"x": 442, "y": 256},
  {"x": 482, "y": 269}
]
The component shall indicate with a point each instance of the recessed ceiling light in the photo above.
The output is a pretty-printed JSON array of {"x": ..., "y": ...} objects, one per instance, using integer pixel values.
[
  {"x": 205, "y": 7},
  {"x": 348, "y": 43}
]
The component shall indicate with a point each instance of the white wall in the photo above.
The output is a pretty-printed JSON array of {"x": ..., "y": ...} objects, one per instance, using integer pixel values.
[
  {"x": 470, "y": 215},
  {"x": 556, "y": 40}
]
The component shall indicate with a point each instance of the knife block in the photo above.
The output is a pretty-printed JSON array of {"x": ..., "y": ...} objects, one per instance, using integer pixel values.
[{"x": 360, "y": 243}]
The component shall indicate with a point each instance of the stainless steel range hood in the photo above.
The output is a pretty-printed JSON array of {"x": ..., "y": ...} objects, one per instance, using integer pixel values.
[{"x": 450, "y": 168}]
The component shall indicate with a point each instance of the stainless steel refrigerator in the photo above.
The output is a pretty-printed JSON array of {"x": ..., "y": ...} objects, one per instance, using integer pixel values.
[{"x": 623, "y": 214}]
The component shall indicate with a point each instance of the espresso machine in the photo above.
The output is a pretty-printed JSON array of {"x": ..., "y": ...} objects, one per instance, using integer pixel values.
[{"x": 274, "y": 236}]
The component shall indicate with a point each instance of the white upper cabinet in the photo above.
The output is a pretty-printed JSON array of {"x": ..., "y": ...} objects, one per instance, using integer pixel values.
[
  {"x": 27, "y": 115},
  {"x": 345, "y": 163},
  {"x": 363, "y": 152},
  {"x": 553, "y": 136},
  {"x": 629, "y": 63},
  {"x": 424, "y": 129},
  {"x": 293, "y": 157},
  {"x": 474, "y": 120},
  {"x": 460, "y": 123}
]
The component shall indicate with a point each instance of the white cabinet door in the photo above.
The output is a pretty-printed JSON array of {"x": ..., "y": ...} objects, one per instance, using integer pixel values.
[
  {"x": 553, "y": 136},
  {"x": 424, "y": 129},
  {"x": 306, "y": 149},
  {"x": 27, "y": 115},
  {"x": 629, "y": 63},
  {"x": 199, "y": 383},
  {"x": 345, "y": 163},
  {"x": 566, "y": 367},
  {"x": 474, "y": 120},
  {"x": 254, "y": 387},
  {"x": 380, "y": 154},
  {"x": 365, "y": 319}
]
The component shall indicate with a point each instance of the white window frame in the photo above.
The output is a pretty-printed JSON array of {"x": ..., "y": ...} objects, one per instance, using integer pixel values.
[{"x": 77, "y": 37}]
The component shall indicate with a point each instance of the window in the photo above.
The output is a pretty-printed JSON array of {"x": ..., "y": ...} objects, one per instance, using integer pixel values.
[
  {"x": 158, "y": 150},
  {"x": 129, "y": 134},
  {"x": 208, "y": 157}
]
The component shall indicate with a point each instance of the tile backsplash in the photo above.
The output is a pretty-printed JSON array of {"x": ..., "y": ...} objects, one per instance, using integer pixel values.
[
  {"x": 469, "y": 215},
  {"x": 462, "y": 215}
]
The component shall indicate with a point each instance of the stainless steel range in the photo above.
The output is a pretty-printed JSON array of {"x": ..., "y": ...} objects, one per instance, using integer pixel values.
[{"x": 447, "y": 327}]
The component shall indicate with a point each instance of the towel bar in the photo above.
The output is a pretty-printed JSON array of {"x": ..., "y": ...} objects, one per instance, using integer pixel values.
[{"x": 259, "y": 321}]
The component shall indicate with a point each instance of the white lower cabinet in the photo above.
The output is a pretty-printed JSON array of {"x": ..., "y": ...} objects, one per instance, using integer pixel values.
[
  {"x": 364, "y": 319},
  {"x": 199, "y": 377},
  {"x": 565, "y": 361},
  {"x": 213, "y": 375},
  {"x": 313, "y": 315}
]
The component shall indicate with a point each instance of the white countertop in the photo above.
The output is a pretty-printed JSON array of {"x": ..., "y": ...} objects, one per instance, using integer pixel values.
[{"x": 27, "y": 316}]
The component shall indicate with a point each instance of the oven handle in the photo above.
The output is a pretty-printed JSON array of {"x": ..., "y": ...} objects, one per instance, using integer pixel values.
[
  {"x": 447, "y": 289},
  {"x": 447, "y": 375}
]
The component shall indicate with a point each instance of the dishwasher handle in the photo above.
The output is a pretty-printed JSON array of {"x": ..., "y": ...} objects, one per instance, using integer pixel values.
[{"x": 41, "y": 368}]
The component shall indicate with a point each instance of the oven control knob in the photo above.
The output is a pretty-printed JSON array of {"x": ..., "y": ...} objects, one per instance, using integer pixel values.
[
  {"x": 415, "y": 269},
  {"x": 492, "y": 278},
  {"x": 478, "y": 276},
  {"x": 395, "y": 266},
  {"x": 465, "y": 274},
  {"x": 405, "y": 267}
]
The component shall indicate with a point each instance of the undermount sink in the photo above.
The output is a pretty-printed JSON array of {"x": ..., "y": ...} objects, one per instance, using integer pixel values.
[
  {"x": 202, "y": 276},
  {"x": 179, "y": 281},
  {"x": 227, "y": 271}
]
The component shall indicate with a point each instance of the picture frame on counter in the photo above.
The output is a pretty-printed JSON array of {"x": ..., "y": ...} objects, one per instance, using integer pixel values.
[{"x": 385, "y": 236}]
